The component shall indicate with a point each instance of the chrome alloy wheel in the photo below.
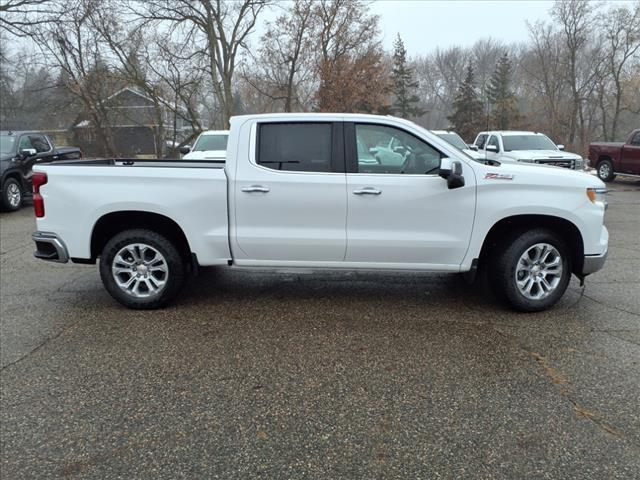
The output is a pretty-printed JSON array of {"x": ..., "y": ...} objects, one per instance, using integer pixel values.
[
  {"x": 604, "y": 170},
  {"x": 140, "y": 270},
  {"x": 539, "y": 271},
  {"x": 14, "y": 195}
]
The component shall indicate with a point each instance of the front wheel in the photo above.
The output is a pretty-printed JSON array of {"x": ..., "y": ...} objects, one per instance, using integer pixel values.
[
  {"x": 531, "y": 271},
  {"x": 142, "y": 269},
  {"x": 11, "y": 195},
  {"x": 605, "y": 171}
]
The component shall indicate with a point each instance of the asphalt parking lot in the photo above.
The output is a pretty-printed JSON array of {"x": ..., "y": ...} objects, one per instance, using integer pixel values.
[{"x": 319, "y": 375}]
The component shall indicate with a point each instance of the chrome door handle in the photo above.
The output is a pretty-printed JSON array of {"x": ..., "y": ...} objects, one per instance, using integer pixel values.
[
  {"x": 367, "y": 191},
  {"x": 255, "y": 188}
]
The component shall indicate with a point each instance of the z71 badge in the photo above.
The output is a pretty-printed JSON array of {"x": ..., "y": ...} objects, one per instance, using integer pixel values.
[{"x": 498, "y": 176}]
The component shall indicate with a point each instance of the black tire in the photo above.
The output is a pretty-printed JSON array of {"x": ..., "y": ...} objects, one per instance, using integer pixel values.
[
  {"x": 173, "y": 262},
  {"x": 604, "y": 168},
  {"x": 12, "y": 195},
  {"x": 504, "y": 261}
]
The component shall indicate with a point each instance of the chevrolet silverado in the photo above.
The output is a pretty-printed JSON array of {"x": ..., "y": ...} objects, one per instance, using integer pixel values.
[{"x": 303, "y": 190}]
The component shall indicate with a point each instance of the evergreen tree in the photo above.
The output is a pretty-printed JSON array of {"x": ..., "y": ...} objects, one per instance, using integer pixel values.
[
  {"x": 404, "y": 84},
  {"x": 504, "y": 111},
  {"x": 466, "y": 118}
]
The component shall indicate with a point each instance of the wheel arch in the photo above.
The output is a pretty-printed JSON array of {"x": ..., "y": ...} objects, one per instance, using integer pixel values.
[
  {"x": 16, "y": 175},
  {"x": 604, "y": 157},
  {"x": 569, "y": 232},
  {"x": 113, "y": 223}
]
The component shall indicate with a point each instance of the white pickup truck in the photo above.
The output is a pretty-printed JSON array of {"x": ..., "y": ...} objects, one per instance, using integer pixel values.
[{"x": 303, "y": 190}]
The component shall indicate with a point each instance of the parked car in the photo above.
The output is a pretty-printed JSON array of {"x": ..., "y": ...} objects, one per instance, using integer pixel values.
[
  {"x": 210, "y": 145},
  {"x": 295, "y": 192},
  {"x": 19, "y": 152},
  {"x": 610, "y": 158},
  {"x": 456, "y": 140},
  {"x": 526, "y": 147}
]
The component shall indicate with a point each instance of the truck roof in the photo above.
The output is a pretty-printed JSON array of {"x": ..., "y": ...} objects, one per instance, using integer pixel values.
[
  {"x": 509, "y": 132},
  {"x": 18, "y": 132},
  {"x": 327, "y": 116}
]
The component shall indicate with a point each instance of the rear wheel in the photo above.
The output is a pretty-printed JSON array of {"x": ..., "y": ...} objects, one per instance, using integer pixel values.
[
  {"x": 531, "y": 271},
  {"x": 142, "y": 269},
  {"x": 11, "y": 195},
  {"x": 605, "y": 171}
]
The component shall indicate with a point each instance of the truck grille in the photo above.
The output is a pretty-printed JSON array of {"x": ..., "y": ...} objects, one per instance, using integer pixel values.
[{"x": 556, "y": 162}]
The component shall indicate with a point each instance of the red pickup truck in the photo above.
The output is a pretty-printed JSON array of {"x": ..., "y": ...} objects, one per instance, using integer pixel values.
[{"x": 616, "y": 157}]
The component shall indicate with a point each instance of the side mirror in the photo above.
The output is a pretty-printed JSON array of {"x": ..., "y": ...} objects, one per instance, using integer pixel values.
[
  {"x": 184, "y": 150},
  {"x": 452, "y": 173},
  {"x": 491, "y": 148},
  {"x": 28, "y": 152},
  {"x": 560, "y": 147},
  {"x": 473, "y": 147}
]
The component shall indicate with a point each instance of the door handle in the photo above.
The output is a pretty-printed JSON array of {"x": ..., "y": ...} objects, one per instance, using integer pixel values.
[
  {"x": 367, "y": 191},
  {"x": 256, "y": 188}
]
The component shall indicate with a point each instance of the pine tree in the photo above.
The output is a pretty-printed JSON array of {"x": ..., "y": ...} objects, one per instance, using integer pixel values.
[
  {"x": 504, "y": 111},
  {"x": 466, "y": 118},
  {"x": 406, "y": 103}
]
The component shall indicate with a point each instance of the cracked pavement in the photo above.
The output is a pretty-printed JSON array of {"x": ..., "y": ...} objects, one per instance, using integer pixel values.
[{"x": 319, "y": 375}]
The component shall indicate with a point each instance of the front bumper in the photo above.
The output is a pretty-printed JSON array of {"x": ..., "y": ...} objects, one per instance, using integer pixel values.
[
  {"x": 50, "y": 247},
  {"x": 593, "y": 263}
]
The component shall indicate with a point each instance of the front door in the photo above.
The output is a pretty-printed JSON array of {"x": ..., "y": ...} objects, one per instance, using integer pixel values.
[
  {"x": 401, "y": 214},
  {"x": 630, "y": 156},
  {"x": 290, "y": 196}
]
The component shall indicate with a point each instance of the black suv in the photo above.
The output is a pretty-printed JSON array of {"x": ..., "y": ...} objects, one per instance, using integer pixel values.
[{"x": 19, "y": 152}]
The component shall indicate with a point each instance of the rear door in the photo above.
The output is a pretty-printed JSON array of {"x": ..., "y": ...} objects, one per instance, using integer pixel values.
[
  {"x": 290, "y": 194},
  {"x": 630, "y": 155},
  {"x": 404, "y": 215}
]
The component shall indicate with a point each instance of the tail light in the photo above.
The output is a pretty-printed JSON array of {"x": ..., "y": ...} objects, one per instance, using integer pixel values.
[{"x": 38, "y": 179}]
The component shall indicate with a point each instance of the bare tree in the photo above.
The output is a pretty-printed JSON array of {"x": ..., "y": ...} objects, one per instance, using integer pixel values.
[
  {"x": 224, "y": 28},
  {"x": 352, "y": 74},
  {"x": 621, "y": 35},
  {"x": 576, "y": 22},
  {"x": 19, "y": 17},
  {"x": 545, "y": 79},
  {"x": 286, "y": 61},
  {"x": 73, "y": 46}
]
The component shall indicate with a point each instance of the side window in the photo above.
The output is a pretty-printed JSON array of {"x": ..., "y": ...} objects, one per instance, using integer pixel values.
[
  {"x": 382, "y": 149},
  {"x": 481, "y": 141},
  {"x": 297, "y": 147},
  {"x": 25, "y": 143},
  {"x": 40, "y": 143},
  {"x": 636, "y": 139},
  {"x": 494, "y": 141}
]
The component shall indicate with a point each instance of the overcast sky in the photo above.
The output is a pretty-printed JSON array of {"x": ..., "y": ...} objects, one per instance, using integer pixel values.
[{"x": 427, "y": 24}]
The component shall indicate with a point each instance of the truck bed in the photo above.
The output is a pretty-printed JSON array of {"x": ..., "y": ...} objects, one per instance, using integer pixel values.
[
  {"x": 193, "y": 194},
  {"x": 137, "y": 162}
]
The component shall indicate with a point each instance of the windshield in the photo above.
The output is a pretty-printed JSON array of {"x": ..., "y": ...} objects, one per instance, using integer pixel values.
[
  {"x": 211, "y": 142},
  {"x": 454, "y": 139},
  {"x": 527, "y": 142},
  {"x": 7, "y": 143}
]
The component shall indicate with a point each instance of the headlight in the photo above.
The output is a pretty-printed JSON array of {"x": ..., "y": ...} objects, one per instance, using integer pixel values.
[
  {"x": 598, "y": 196},
  {"x": 579, "y": 164}
]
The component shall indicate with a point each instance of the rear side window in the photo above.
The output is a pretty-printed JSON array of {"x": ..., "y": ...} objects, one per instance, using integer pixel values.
[{"x": 298, "y": 147}]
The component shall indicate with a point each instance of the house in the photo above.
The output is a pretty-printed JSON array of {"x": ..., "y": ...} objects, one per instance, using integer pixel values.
[{"x": 134, "y": 125}]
